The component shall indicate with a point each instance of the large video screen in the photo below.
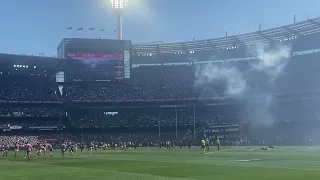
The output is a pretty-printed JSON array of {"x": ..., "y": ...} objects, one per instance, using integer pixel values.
[{"x": 96, "y": 67}]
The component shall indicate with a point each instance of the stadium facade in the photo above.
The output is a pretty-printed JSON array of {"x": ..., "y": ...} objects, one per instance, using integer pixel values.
[{"x": 111, "y": 86}]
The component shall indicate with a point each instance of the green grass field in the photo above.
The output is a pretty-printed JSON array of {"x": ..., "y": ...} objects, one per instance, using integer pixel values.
[{"x": 153, "y": 163}]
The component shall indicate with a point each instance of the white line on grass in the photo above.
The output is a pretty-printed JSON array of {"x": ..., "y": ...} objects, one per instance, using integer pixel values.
[
  {"x": 137, "y": 175},
  {"x": 218, "y": 151}
]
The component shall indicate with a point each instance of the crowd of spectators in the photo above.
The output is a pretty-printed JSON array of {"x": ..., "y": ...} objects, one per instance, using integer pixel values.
[
  {"x": 12, "y": 141},
  {"x": 165, "y": 82},
  {"x": 30, "y": 112},
  {"x": 28, "y": 88},
  {"x": 178, "y": 81},
  {"x": 32, "y": 123},
  {"x": 265, "y": 112},
  {"x": 133, "y": 117},
  {"x": 30, "y": 117},
  {"x": 144, "y": 139},
  {"x": 184, "y": 81}
]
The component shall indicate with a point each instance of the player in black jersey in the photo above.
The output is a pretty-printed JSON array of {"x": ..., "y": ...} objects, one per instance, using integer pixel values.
[
  {"x": 218, "y": 144},
  {"x": 72, "y": 149},
  {"x": 207, "y": 145},
  {"x": 50, "y": 148},
  {"x": 63, "y": 149},
  {"x": 81, "y": 147}
]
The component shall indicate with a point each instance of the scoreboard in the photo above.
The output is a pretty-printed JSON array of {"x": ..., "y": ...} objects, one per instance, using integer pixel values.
[{"x": 96, "y": 59}]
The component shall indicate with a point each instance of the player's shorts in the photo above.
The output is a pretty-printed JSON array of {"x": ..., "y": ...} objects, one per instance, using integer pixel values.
[
  {"x": 202, "y": 146},
  {"x": 28, "y": 152},
  {"x": 16, "y": 150},
  {"x": 63, "y": 150}
]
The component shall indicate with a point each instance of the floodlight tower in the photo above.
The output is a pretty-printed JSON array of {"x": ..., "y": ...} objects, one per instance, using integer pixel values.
[{"x": 118, "y": 7}]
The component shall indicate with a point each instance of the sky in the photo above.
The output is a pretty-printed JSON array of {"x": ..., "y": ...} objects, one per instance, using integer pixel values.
[{"x": 38, "y": 26}]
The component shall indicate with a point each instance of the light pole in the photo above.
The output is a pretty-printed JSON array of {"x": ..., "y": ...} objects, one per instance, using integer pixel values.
[{"x": 118, "y": 7}]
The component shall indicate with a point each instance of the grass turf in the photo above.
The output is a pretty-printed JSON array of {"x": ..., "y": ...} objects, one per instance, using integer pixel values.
[{"x": 156, "y": 164}]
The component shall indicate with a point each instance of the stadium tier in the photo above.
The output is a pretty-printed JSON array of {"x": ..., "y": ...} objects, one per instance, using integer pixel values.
[{"x": 184, "y": 91}]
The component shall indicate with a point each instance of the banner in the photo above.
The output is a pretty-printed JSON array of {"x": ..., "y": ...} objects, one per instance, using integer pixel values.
[
  {"x": 222, "y": 132},
  {"x": 44, "y": 128},
  {"x": 15, "y": 127}
]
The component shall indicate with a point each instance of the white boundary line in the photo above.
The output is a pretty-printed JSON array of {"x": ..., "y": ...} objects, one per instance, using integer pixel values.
[{"x": 211, "y": 152}]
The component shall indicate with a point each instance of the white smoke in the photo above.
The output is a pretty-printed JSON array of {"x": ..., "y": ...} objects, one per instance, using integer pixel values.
[
  {"x": 270, "y": 65},
  {"x": 211, "y": 73},
  {"x": 271, "y": 60}
]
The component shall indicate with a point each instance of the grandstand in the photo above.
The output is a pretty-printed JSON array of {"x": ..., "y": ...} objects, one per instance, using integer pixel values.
[
  {"x": 181, "y": 92},
  {"x": 167, "y": 97}
]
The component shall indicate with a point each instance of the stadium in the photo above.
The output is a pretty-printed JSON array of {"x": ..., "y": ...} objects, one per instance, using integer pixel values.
[{"x": 235, "y": 107}]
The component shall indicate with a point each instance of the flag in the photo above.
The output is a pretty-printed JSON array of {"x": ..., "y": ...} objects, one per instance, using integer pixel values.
[
  {"x": 102, "y": 29},
  {"x": 69, "y": 28},
  {"x": 80, "y": 29},
  {"x": 91, "y": 29}
]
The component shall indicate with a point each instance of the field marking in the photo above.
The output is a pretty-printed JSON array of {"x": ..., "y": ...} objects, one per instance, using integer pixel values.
[
  {"x": 218, "y": 151},
  {"x": 198, "y": 162},
  {"x": 165, "y": 177},
  {"x": 224, "y": 164},
  {"x": 102, "y": 170},
  {"x": 243, "y": 160},
  {"x": 145, "y": 158},
  {"x": 246, "y": 160}
]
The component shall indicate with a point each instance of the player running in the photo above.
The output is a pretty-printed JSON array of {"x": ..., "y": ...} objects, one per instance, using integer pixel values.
[
  {"x": 44, "y": 149},
  {"x": 207, "y": 145},
  {"x": 49, "y": 146},
  {"x": 5, "y": 149},
  {"x": 167, "y": 145},
  {"x": 63, "y": 149},
  {"x": 218, "y": 144},
  {"x": 91, "y": 147},
  {"x": 172, "y": 145},
  {"x": 81, "y": 147},
  {"x": 124, "y": 146},
  {"x": 72, "y": 149},
  {"x": 180, "y": 144},
  {"x": 29, "y": 149},
  {"x": 16, "y": 150},
  {"x": 39, "y": 150},
  {"x": 203, "y": 145},
  {"x": 25, "y": 150}
]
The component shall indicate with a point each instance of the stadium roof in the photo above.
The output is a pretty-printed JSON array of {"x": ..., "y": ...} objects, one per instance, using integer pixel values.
[
  {"x": 292, "y": 31},
  {"x": 41, "y": 61}
]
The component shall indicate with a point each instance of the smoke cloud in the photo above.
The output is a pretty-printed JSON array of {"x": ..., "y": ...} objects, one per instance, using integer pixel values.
[
  {"x": 213, "y": 74},
  {"x": 272, "y": 60},
  {"x": 252, "y": 85}
]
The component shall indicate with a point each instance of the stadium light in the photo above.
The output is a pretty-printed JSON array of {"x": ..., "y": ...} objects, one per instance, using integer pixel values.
[{"x": 118, "y": 7}]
